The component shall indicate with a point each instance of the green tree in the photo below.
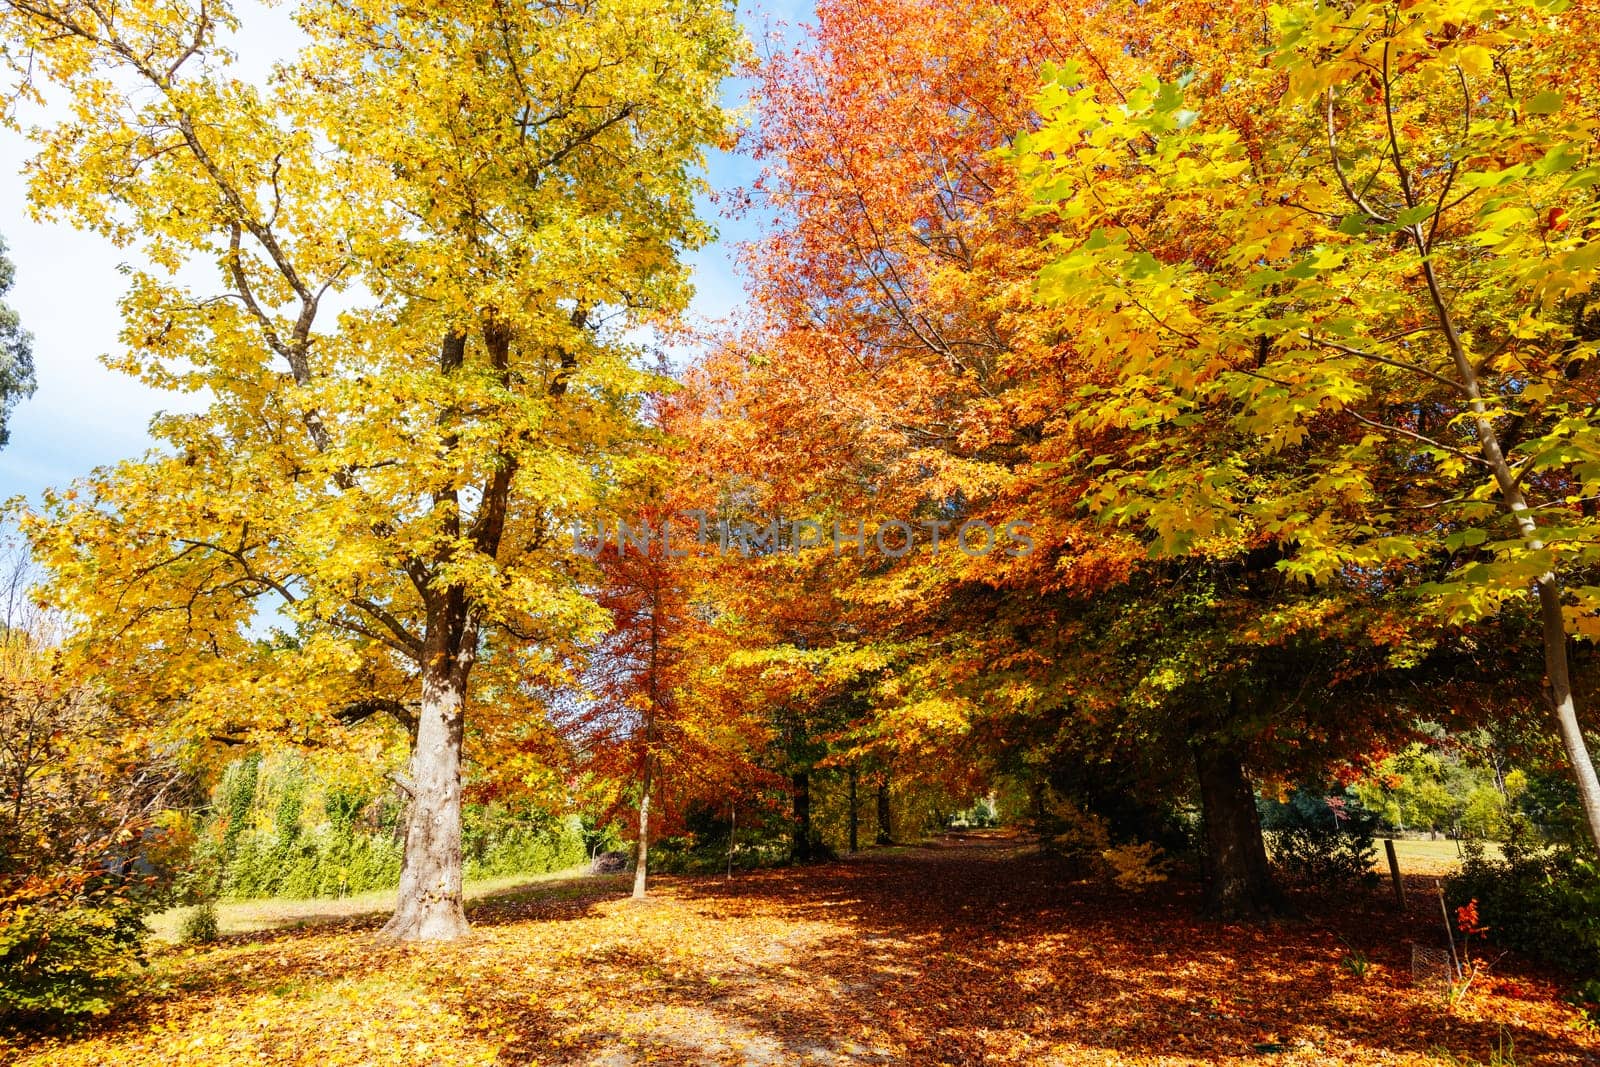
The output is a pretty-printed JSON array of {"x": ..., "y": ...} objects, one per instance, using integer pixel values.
[{"x": 16, "y": 351}]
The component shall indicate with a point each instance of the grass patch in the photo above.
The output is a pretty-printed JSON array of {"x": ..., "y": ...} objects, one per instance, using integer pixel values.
[
  {"x": 1420, "y": 856},
  {"x": 252, "y": 916}
]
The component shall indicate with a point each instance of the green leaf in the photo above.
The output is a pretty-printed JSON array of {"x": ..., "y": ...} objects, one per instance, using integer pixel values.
[
  {"x": 1465, "y": 538},
  {"x": 1546, "y": 103},
  {"x": 1584, "y": 179},
  {"x": 1413, "y": 215}
]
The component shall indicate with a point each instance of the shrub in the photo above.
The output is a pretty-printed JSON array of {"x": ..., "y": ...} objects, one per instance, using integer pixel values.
[
  {"x": 753, "y": 847},
  {"x": 329, "y": 861},
  {"x": 199, "y": 926},
  {"x": 526, "y": 847},
  {"x": 65, "y": 955},
  {"x": 1543, "y": 902},
  {"x": 1069, "y": 830},
  {"x": 1134, "y": 866},
  {"x": 276, "y": 828},
  {"x": 1320, "y": 839},
  {"x": 1086, "y": 837},
  {"x": 80, "y": 859}
]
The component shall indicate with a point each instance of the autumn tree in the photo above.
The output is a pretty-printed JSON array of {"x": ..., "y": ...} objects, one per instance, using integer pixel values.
[
  {"x": 81, "y": 796},
  {"x": 632, "y": 729},
  {"x": 897, "y": 345},
  {"x": 662, "y": 719},
  {"x": 389, "y": 473},
  {"x": 900, "y": 349},
  {"x": 1368, "y": 258},
  {"x": 887, "y": 369}
]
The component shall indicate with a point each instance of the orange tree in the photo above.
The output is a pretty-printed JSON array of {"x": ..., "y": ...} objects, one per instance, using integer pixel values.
[
  {"x": 658, "y": 716},
  {"x": 899, "y": 355}
]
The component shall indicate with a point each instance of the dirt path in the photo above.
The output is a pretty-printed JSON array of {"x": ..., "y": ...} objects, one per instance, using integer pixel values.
[{"x": 970, "y": 951}]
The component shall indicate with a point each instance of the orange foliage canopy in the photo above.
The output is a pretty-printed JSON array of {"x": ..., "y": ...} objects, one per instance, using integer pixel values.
[{"x": 899, "y": 363}]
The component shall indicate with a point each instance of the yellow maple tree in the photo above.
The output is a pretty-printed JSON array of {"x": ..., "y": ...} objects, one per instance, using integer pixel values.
[{"x": 400, "y": 276}]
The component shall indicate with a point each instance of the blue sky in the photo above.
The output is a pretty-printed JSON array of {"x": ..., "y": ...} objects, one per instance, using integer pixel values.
[{"x": 67, "y": 287}]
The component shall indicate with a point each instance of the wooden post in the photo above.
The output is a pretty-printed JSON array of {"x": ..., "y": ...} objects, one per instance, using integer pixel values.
[
  {"x": 1455, "y": 961},
  {"x": 1394, "y": 873},
  {"x": 854, "y": 821}
]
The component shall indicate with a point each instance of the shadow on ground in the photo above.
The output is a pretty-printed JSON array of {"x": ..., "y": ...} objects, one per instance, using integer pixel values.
[{"x": 975, "y": 949}]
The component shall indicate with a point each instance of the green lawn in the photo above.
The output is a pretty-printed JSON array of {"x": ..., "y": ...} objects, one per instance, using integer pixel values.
[
  {"x": 1429, "y": 857},
  {"x": 246, "y": 916}
]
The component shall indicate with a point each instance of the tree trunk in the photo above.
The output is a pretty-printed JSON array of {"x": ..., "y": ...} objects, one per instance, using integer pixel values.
[
  {"x": 1238, "y": 880},
  {"x": 428, "y": 907},
  {"x": 1548, "y": 585},
  {"x": 854, "y": 817},
  {"x": 802, "y": 817},
  {"x": 1566, "y": 709},
  {"x": 642, "y": 867},
  {"x": 885, "y": 831}
]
